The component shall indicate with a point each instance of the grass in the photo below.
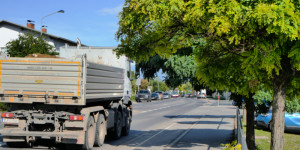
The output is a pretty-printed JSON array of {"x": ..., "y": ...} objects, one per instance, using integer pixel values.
[
  {"x": 263, "y": 139},
  {"x": 132, "y": 98}
]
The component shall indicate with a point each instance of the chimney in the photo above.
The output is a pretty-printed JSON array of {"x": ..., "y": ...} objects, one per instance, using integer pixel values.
[
  {"x": 30, "y": 24},
  {"x": 44, "y": 29}
]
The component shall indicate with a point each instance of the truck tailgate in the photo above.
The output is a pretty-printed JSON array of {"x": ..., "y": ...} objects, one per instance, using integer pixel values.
[{"x": 50, "y": 81}]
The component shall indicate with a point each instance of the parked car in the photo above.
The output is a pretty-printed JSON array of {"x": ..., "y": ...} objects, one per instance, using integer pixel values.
[
  {"x": 292, "y": 121},
  {"x": 201, "y": 95},
  {"x": 166, "y": 95},
  {"x": 143, "y": 95},
  {"x": 160, "y": 93},
  {"x": 175, "y": 94},
  {"x": 188, "y": 95},
  {"x": 154, "y": 96}
]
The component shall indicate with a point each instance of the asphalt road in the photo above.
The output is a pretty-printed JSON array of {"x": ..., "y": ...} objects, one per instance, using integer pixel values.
[{"x": 180, "y": 123}]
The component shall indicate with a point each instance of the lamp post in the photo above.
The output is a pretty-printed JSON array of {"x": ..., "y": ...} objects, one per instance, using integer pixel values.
[{"x": 60, "y": 11}]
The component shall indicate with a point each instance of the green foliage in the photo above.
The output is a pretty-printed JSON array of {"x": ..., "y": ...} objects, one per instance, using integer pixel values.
[
  {"x": 133, "y": 82},
  {"x": 161, "y": 87},
  {"x": 262, "y": 96},
  {"x": 293, "y": 106},
  {"x": 150, "y": 67},
  {"x": 132, "y": 98},
  {"x": 186, "y": 87},
  {"x": 29, "y": 43},
  {"x": 180, "y": 68},
  {"x": 144, "y": 84},
  {"x": 232, "y": 146},
  {"x": 3, "y": 107},
  {"x": 239, "y": 45},
  {"x": 263, "y": 100}
]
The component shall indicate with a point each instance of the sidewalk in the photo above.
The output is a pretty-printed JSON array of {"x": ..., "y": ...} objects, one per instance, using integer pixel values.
[{"x": 212, "y": 130}]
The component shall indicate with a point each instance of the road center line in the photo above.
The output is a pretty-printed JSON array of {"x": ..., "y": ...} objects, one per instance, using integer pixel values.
[
  {"x": 182, "y": 135},
  {"x": 158, "y": 109},
  {"x": 155, "y": 135}
]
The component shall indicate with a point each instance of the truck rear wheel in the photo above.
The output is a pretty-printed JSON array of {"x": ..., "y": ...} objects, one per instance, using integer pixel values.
[
  {"x": 118, "y": 126},
  {"x": 90, "y": 134},
  {"x": 126, "y": 128},
  {"x": 100, "y": 130},
  {"x": 19, "y": 144}
]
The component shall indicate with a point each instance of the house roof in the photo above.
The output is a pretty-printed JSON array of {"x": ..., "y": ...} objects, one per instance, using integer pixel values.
[{"x": 37, "y": 31}]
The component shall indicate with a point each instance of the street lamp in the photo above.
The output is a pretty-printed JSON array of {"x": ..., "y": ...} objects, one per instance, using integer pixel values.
[{"x": 60, "y": 11}]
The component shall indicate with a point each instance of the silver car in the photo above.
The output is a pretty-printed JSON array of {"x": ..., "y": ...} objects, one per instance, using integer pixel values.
[
  {"x": 166, "y": 95},
  {"x": 143, "y": 95}
]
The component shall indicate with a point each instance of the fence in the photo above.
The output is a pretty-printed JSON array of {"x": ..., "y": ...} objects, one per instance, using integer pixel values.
[{"x": 241, "y": 138}]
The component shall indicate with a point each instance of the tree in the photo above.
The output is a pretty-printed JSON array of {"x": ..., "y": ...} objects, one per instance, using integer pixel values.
[
  {"x": 186, "y": 87},
  {"x": 133, "y": 82},
  {"x": 180, "y": 68},
  {"x": 222, "y": 71},
  {"x": 144, "y": 84},
  {"x": 161, "y": 87},
  {"x": 262, "y": 35},
  {"x": 29, "y": 44}
]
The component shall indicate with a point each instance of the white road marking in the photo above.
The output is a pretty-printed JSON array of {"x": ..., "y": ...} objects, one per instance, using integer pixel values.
[
  {"x": 182, "y": 135},
  {"x": 158, "y": 109},
  {"x": 155, "y": 135}
]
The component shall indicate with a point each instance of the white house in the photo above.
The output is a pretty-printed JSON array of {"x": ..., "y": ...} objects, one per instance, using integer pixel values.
[{"x": 10, "y": 31}]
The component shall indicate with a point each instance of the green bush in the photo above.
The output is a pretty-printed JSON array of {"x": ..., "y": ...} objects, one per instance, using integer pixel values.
[
  {"x": 29, "y": 43},
  {"x": 232, "y": 146},
  {"x": 3, "y": 107},
  {"x": 132, "y": 98}
]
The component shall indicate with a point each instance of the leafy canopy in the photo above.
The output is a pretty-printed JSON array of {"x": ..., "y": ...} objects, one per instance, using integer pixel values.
[
  {"x": 260, "y": 32},
  {"x": 28, "y": 43}
]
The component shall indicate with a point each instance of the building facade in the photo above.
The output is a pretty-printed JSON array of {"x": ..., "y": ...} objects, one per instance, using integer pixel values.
[{"x": 10, "y": 31}]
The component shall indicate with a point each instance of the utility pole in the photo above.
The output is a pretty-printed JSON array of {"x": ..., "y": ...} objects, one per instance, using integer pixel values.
[
  {"x": 218, "y": 98},
  {"x": 157, "y": 85}
]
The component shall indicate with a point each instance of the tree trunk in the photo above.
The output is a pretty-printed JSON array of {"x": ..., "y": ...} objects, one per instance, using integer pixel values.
[
  {"x": 250, "y": 135},
  {"x": 244, "y": 115},
  {"x": 280, "y": 82},
  {"x": 277, "y": 123}
]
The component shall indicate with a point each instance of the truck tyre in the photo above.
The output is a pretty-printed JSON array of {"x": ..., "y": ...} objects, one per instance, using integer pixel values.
[
  {"x": 90, "y": 134},
  {"x": 126, "y": 128},
  {"x": 100, "y": 130},
  {"x": 19, "y": 144},
  {"x": 118, "y": 125}
]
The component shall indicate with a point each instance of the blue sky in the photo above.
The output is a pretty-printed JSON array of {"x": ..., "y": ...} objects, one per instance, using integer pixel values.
[{"x": 94, "y": 22}]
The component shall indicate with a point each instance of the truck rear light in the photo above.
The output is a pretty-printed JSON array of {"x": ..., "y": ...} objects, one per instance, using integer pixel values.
[
  {"x": 7, "y": 115},
  {"x": 76, "y": 118}
]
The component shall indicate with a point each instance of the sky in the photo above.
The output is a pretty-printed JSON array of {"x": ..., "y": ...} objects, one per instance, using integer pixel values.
[{"x": 94, "y": 22}]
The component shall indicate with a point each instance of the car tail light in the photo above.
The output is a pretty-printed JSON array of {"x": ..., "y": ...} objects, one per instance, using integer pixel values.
[
  {"x": 76, "y": 118},
  {"x": 7, "y": 115}
]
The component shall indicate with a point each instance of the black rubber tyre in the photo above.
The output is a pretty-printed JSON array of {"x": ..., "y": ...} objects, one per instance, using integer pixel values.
[
  {"x": 100, "y": 130},
  {"x": 90, "y": 134},
  {"x": 128, "y": 118},
  {"x": 118, "y": 126},
  {"x": 19, "y": 144}
]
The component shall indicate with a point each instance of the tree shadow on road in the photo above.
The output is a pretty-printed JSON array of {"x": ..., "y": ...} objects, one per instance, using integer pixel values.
[
  {"x": 211, "y": 135},
  {"x": 158, "y": 139},
  {"x": 201, "y": 116}
]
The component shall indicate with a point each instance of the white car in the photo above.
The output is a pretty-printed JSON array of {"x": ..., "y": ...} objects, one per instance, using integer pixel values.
[{"x": 201, "y": 95}]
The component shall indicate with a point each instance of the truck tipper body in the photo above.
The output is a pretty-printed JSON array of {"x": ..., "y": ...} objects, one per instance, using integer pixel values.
[{"x": 76, "y": 99}]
